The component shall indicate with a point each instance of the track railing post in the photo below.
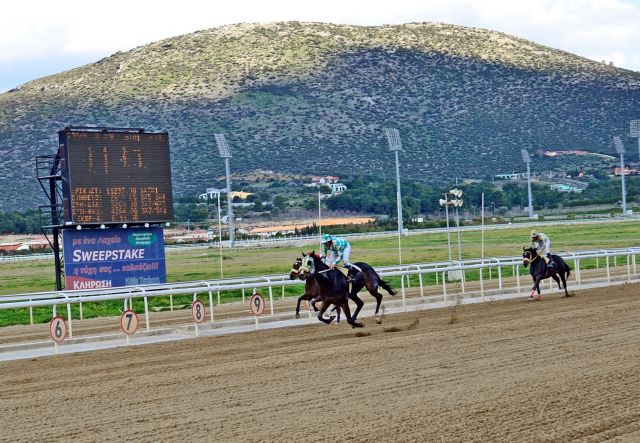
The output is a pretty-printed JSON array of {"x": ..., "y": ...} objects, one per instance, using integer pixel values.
[
  {"x": 444, "y": 287},
  {"x": 481, "y": 282},
  {"x": 404, "y": 303},
  {"x": 69, "y": 315},
  {"x": 210, "y": 299}
]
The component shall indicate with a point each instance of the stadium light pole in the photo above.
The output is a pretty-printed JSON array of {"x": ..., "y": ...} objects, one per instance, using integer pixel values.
[
  {"x": 617, "y": 144},
  {"x": 445, "y": 202},
  {"x": 527, "y": 159},
  {"x": 220, "y": 235},
  {"x": 457, "y": 202},
  {"x": 395, "y": 145},
  {"x": 225, "y": 153},
  {"x": 635, "y": 132},
  {"x": 320, "y": 216},
  {"x": 482, "y": 217}
]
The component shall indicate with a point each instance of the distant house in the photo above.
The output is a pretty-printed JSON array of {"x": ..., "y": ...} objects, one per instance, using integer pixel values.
[
  {"x": 329, "y": 181},
  {"x": 211, "y": 194},
  {"x": 512, "y": 176},
  {"x": 337, "y": 188},
  {"x": 322, "y": 181},
  {"x": 23, "y": 246},
  {"x": 627, "y": 171},
  {"x": 240, "y": 194},
  {"x": 561, "y": 187}
]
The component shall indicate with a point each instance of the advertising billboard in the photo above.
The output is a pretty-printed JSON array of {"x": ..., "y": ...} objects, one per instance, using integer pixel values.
[{"x": 105, "y": 258}]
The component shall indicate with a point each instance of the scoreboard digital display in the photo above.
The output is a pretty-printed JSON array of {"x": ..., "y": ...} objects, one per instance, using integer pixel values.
[{"x": 115, "y": 176}]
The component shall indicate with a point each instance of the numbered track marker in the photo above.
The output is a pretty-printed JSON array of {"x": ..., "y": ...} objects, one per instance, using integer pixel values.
[
  {"x": 129, "y": 322},
  {"x": 58, "y": 329},
  {"x": 197, "y": 311},
  {"x": 256, "y": 304}
]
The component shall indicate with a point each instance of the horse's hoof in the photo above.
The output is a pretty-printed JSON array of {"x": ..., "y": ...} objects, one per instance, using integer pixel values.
[
  {"x": 297, "y": 315},
  {"x": 332, "y": 318},
  {"x": 357, "y": 325}
]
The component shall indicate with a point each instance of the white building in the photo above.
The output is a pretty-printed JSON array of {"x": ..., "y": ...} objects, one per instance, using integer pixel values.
[
  {"x": 337, "y": 188},
  {"x": 211, "y": 194}
]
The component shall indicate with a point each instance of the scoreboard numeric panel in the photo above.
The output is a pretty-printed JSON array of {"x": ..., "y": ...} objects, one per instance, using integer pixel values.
[{"x": 116, "y": 177}]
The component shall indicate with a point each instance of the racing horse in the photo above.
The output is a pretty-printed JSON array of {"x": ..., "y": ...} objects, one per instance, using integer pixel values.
[
  {"x": 311, "y": 289},
  {"x": 361, "y": 275},
  {"x": 540, "y": 271},
  {"x": 364, "y": 276},
  {"x": 332, "y": 285}
]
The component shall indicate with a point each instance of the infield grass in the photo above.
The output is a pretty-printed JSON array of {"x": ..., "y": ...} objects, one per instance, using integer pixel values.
[{"x": 204, "y": 264}]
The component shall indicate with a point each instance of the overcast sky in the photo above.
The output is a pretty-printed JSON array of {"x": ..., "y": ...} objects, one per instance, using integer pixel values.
[{"x": 39, "y": 38}]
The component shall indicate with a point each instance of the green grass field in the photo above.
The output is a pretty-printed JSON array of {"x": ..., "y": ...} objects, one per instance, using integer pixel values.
[{"x": 204, "y": 264}]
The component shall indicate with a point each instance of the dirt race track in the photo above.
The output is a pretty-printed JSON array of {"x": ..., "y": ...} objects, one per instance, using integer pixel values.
[{"x": 558, "y": 370}]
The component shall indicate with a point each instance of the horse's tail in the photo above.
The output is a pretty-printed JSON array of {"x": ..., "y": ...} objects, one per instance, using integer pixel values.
[
  {"x": 386, "y": 286},
  {"x": 568, "y": 268}
]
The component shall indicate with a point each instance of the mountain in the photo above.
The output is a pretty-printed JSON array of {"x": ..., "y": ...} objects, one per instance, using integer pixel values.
[{"x": 313, "y": 98}]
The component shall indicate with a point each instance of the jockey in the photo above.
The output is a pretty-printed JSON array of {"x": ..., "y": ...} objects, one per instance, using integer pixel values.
[
  {"x": 334, "y": 250},
  {"x": 542, "y": 244}
]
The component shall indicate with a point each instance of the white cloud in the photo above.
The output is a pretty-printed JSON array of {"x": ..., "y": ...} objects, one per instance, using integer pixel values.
[{"x": 33, "y": 29}]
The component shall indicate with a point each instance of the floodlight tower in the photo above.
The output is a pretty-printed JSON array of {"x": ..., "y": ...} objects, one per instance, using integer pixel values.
[
  {"x": 446, "y": 202},
  {"x": 456, "y": 203},
  {"x": 395, "y": 145},
  {"x": 527, "y": 159},
  {"x": 635, "y": 132},
  {"x": 225, "y": 153},
  {"x": 617, "y": 143}
]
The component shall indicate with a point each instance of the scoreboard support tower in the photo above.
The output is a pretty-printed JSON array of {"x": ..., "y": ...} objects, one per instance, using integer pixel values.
[{"x": 52, "y": 215}]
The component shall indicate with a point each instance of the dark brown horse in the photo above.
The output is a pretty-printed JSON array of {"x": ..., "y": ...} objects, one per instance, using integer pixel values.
[
  {"x": 539, "y": 270},
  {"x": 332, "y": 285},
  {"x": 364, "y": 276},
  {"x": 311, "y": 289}
]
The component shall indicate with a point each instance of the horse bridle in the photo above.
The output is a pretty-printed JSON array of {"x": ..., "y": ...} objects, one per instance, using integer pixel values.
[
  {"x": 528, "y": 261},
  {"x": 302, "y": 269}
]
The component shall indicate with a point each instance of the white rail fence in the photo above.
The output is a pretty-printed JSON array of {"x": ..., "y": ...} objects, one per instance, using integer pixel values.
[{"x": 494, "y": 266}]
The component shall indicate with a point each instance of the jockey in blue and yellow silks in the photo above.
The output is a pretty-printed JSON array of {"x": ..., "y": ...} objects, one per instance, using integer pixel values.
[{"x": 334, "y": 250}]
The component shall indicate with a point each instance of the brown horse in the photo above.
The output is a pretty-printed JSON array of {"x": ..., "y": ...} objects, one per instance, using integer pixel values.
[
  {"x": 364, "y": 276},
  {"x": 311, "y": 289},
  {"x": 332, "y": 285}
]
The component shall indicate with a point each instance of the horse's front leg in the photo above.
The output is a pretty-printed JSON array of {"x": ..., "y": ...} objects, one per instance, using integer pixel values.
[
  {"x": 536, "y": 286},
  {"x": 302, "y": 297}
]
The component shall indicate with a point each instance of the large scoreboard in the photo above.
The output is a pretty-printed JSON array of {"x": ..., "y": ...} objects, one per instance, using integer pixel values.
[{"x": 115, "y": 176}]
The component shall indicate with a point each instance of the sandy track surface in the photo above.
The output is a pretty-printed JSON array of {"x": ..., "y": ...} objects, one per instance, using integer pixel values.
[{"x": 565, "y": 369}]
